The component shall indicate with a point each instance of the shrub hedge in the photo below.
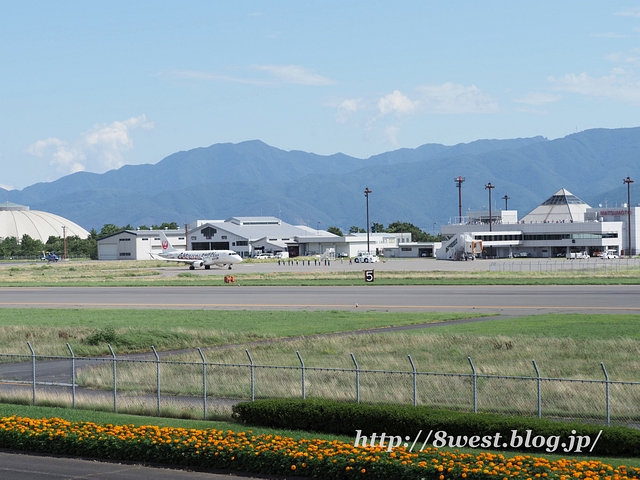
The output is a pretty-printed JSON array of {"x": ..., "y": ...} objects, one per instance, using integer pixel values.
[{"x": 347, "y": 418}]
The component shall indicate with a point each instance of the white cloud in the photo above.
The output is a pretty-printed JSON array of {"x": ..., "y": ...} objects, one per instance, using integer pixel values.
[
  {"x": 626, "y": 58},
  {"x": 630, "y": 12},
  {"x": 382, "y": 117},
  {"x": 537, "y": 98},
  {"x": 451, "y": 98},
  {"x": 346, "y": 108},
  {"x": 619, "y": 86},
  {"x": 100, "y": 149},
  {"x": 397, "y": 103},
  {"x": 294, "y": 74}
]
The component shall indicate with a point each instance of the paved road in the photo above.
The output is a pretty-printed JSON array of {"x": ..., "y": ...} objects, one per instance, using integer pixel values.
[
  {"x": 502, "y": 299},
  {"x": 20, "y": 466}
]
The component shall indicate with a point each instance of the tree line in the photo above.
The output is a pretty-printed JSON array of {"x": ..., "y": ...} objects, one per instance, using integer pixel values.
[
  {"x": 28, "y": 247},
  {"x": 417, "y": 235}
]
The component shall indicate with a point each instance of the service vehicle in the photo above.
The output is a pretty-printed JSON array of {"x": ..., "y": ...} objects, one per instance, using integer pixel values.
[{"x": 366, "y": 258}]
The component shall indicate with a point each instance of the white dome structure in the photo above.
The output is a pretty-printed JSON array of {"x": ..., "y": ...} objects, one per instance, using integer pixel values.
[{"x": 17, "y": 220}]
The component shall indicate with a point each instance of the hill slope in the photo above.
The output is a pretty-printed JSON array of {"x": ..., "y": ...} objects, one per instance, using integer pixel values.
[{"x": 413, "y": 185}]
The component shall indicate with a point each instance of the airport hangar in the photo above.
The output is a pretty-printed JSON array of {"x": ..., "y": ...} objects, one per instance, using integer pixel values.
[
  {"x": 561, "y": 225},
  {"x": 249, "y": 236}
]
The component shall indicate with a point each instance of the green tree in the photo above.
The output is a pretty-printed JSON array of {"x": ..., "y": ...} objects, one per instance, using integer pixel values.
[
  {"x": 30, "y": 246},
  {"x": 54, "y": 244},
  {"x": 168, "y": 226},
  {"x": 356, "y": 229},
  {"x": 377, "y": 228},
  {"x": 417, "y": 235},
  {"x": 9, "y": 247},
  {"x": 109, "y": 229},
  {"x": 335, "y": 231}
]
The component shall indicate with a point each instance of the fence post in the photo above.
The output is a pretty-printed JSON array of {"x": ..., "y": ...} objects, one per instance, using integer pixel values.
[
  {"x": 535, "y": 365},
  {"x": 357, "y": 377},
  {"x": 33, "y": 374},
  {"x": 204, "y": 384},
  {"x": 304, "y": 395},
  {"x": 475, "y": 386},
  {"x": 253, "y": 385},
  {"x": 606, "y": 376},
  {"x": 415, "y": 382},
  {"x": 115, "y": 382},
  {"x": 73, "y": 377},
  {"x": 157, "y": 378}
]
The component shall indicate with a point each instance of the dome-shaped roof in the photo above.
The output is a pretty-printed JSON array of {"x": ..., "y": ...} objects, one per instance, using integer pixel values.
[{"x": 17, "y": 220}]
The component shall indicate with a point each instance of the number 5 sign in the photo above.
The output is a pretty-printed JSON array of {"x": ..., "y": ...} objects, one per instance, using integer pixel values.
[{"x": 368, "y": 276}]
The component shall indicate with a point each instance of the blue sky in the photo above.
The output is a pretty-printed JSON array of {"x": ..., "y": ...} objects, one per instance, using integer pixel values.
[{"x": 95, "y": 85}]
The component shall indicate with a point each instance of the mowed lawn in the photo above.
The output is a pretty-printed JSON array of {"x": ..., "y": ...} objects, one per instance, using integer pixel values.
[{"x": 89, "y": 330}]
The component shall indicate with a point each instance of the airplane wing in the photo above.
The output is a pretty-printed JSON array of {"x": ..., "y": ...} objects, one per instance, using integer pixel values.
[{"x": 194, "y": 263}]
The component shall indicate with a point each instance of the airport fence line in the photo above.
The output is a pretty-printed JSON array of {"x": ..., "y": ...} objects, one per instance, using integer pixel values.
[
  {"x": 594, "y": 264},
  {"x": 150, "y": 385}
]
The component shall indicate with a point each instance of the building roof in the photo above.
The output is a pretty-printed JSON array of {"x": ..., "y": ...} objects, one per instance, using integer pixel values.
[
  {"x": 256, "y": 228},
  {"x": 18, "y": 220},
  {"x": 563, "y": 206}
]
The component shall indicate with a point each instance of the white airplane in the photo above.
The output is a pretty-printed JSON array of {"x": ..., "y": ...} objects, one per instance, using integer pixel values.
[{"x": 197, "y": 258}]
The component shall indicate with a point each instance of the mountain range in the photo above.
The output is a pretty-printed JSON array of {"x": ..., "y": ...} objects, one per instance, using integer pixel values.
[{"x": 410, "y": 185}]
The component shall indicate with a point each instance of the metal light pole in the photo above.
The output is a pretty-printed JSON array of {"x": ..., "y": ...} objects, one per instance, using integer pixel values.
[
  {"x": 64, "y": 242},
  {"x": 459, "y": 181},
  {"x": 490, "y": 187},
  {"x": 506, "y": 201},
  {"x": 628, "y": 181},
  {"x": 366, "y": 194}
]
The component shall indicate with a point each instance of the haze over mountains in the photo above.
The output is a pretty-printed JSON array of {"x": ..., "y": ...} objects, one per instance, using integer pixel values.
[{"x": 411, "y": 185}]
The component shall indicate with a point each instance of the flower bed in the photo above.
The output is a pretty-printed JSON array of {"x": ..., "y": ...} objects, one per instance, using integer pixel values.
[{"x": 278, "y": 455}]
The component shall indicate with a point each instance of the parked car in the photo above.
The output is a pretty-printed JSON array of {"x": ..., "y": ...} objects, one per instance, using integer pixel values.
[
  {"x": 609, "y": 255},
  {"x": 522, "y": 254}
]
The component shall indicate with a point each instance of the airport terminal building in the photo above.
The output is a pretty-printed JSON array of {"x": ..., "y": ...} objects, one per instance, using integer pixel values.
[
  {"x": 561, "y": 225},
  {"x": 249, "y": 236}
]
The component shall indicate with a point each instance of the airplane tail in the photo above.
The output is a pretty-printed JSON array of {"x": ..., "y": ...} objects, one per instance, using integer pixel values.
[{"x": 166, "y": 244}]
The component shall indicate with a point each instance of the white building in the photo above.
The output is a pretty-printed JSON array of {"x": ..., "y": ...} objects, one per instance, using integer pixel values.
[
  {"x": 560, "y": 225},
  {"x": 249, "y": 236},
  {"x": 19, "y": 220}
]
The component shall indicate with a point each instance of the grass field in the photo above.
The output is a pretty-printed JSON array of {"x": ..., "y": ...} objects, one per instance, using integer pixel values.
[
  {"x": 147, "y": 273},
  {"x": 570, "y": 346},
  {"x": 128, "y": 331}
]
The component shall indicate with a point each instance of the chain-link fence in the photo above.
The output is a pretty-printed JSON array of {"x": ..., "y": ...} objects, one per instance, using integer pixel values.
[
  {"x": 594, "y": 264},
  {"x": 192, "y": 387}
]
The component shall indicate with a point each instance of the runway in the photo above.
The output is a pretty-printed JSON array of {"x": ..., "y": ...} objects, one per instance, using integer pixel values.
[{"x": 495, "y": 299}]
